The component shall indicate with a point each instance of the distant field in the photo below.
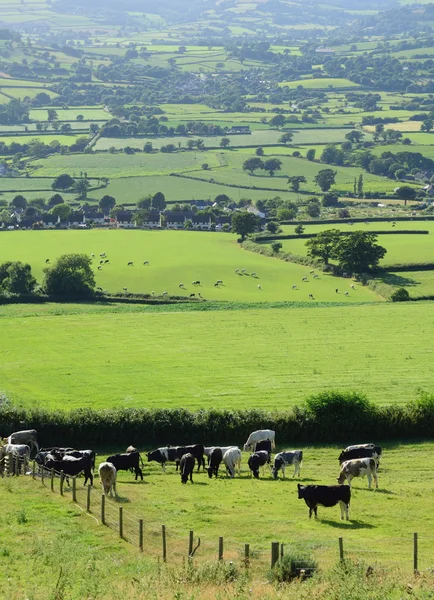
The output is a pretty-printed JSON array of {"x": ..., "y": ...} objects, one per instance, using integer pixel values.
[
  {"x": 417, "y": 283},
  {"x": 271, "y": 358},
  {"x": 321, "y": 83},
  {"x": 89, "y": 114}
]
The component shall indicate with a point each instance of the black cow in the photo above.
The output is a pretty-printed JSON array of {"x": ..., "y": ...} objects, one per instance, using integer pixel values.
[
  {"x": 214, "y": 459},
  {"x": 258, "y": 459},
  {"x": 326, "y": 495},
  {"x": 372, "y": 452},
  {"x": 124, "y": 462},
  {"x": 186, "y": 467},
  {"x": 175, "y": 453},
  {"x": 72, "y": 466},
  {"x": 79, "y": 453},
  {"x": 263, "y": 445}
]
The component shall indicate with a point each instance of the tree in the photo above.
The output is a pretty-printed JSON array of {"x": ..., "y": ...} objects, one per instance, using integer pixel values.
[
  {"x": 313, "y": 208},
  {"x": 158, "y": 201},
  {"x": 61, "y": 210},
  {"x": 52, "y": 115},
  {"x": 19, "y": 202},
  {"x": 252, "y": 164},
  {"x": 55, "y": 199},
  {"x": 70, "y": 276},
  {"x": 325, "y": 179},
  {"x": 205, "y": 166},
  {"x": 147, "y": 148},
  {"x": 400, "y": 295},
  {"x": 286, "y": 214},
  {"x": 379, "y": 129},
  {"x": 330, "y": 199},
  {"x": 16, "y": 278},
  {"x": 295, "y": 181},
  {"x": 358, "y": 252},
  {"x": 322, "y": 245},
  {"x": 310, "y": 154},
  {"x": 427, "y": 125},
  {"x": 222, "y": 199},
  {"x": 145, "y": 203},
  {"x": 80, "y": 118},
  {"x": 272, "y": 227},
  {"x": 259, "y": 151},
  {"x": 107, "y": 203},
  {"x": 224, "y": 142},
  {"x": 276, "y": 247},
  {"x": 188, "y": 224},
  {"x": 355, "y": 137},
  {"x": 66, "y": 128},
  {"x": 62, "y": 182},
  {"x": 81, "y": 186},
  {"x": 406, "y": 193},
  {"x": 278, "y": 121},
  {"x": 272, "y": 165},
  {"x": 299, "y": 229},
  {"x": 286, "y": 138},
  {"x": 360, "y": 185},
  {"x": 244, "y": 223}
]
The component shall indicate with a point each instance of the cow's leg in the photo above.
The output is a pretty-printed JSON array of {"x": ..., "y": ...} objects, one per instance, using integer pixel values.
[
  {"x": 191, "y": 476},
  {"x": 369, "y": 478},
  {"x": 310, "y": 512},
  {"x": 349, "y": 479},
  {"x": 376, "y": 480},
  {"x": 341, "y": 506}
]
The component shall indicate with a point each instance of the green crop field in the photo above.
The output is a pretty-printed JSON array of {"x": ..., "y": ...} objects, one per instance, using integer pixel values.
[{"x": 213, "y": 357}]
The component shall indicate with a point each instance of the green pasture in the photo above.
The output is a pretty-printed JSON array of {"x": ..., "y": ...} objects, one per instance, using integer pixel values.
[
  {"x": 401, "y": 249},
  {"x": 417, "y": 283},
  {"x": 89, "y": 114},
  {"x": 66, "y": 140},
  {"x": 24, "y": 92},
  {"x": 271, "y": 358},
  {"x": 321, "y": 83}
]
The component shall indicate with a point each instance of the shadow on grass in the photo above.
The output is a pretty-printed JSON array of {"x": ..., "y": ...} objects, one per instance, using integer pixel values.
[{"x": 351, "y": 524}]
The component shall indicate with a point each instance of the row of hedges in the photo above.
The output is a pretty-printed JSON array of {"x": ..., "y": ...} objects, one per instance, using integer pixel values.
[
  {"x": 124, "y": 298},
  {"x": 293, "y": 236},
  {"x": 329, "y": 417}
]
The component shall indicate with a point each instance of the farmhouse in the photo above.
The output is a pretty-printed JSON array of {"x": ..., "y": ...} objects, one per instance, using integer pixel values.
[
  {"x": 201, "y": 222},
  {"x": 124, "y": 220},
  {"x": 95, "y": 217},
  {"x": 153, "y": 220},
  {"x": 176, "y": 220},
  {"x": 237, "y": 129},
  {"x": 49, "y": 220}
]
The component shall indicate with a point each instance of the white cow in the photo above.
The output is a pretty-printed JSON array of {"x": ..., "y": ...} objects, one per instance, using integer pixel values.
[
  {"x": 359, "y": 467},
  {"x": 358, "y": 446},
  {"x": 232, "y": 459},
  {"x": 20, "y": 451},
  {"x": 259, "y": 436},
  {"x": 224, "y": 449},
  {"x": 107, "y": 476},
  {"x": 27, "y": 437}
]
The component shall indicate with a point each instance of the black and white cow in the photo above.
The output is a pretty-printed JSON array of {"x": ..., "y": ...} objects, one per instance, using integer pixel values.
[
  {"x": 288, "y": 457},
  {"x": 175, "y": 453},
  {"x": 264, "y": 445},
  {"x": 127, "y": 461},
  {"x": 362, "y": 451},
  {"x": 80, "y": 453},
  {"x": 214, "y": 459},
  {"x": 186, "y": 467},
  {"x": 325, "y": 495},
  {"x": 359, "y": 467},
  {"x": 258, "y": 459},
  {"x": 72, "y": 466}
]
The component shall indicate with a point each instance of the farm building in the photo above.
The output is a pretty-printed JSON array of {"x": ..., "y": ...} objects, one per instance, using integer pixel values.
[
  {"x": 124, "y": 220},
  {"x": 238, "y": 129}
]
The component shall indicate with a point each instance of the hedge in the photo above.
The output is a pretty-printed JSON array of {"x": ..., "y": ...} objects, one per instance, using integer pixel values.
[{"x": 329, "y": 417}]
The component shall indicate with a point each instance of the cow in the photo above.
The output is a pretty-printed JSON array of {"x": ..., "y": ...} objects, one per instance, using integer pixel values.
[
  {"x": 79, "y": 453},
  {"x": 175, "y": 453},
  {"x": 208, "y": 449},
  {"x": 186, "y": 467},
  {"x": 214, "y": 460},
  {"x": 107, "y": 476},
  {"x": 27, "y": 437},
  {"x": 232, "y": 459},
  {"x": 288, "y": 457},
  {"x": 326, "y": 495},
  {"x": 72, "y": 466},
  {"x": 263, "y": 445},
  {"x": 124, "y": 462},
  {"x": 361, "y": 452},
  {"x": 18, "y": 451},
  {"x": 359, "y": 467},
  {"x": 131, "y": 449},
  {"x": 258, "y": 459},
  {"x": 258, "y": 436}
]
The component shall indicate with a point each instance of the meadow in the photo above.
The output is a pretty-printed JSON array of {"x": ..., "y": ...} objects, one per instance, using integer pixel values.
[{"x": 213, "y": 356}]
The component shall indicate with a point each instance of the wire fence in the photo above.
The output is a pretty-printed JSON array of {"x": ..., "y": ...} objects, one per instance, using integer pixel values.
[{"x": 171, "y": 545}]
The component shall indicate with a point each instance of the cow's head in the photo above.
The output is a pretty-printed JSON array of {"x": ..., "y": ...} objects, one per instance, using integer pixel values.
[
  {"x": 274, "y": 472},
  {"x": 209, "y": 469},
  {"x": 300, "y": 490},
  {"x": 247, "y": 447},
  {"x": 341, "y": 478},
  {"x": 341, "y": 457}
]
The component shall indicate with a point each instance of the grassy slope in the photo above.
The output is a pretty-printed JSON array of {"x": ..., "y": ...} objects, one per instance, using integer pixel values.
[{"x": 238, "y": 358}]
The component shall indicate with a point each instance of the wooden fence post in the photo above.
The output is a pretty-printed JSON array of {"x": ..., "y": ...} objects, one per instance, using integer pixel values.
[
  {"x": 52, "y": 480},
  {"x": 281, "y": 551},
  {"x": 274, "y": 553},
  {"x": 163, "y": 533},
  {"x": 121, "y": 522},
  {"x": 103, "y": 509},
  {"x": 74, "y": 489},
  {"x": 62, "y": 478},
  {"x": 42, "y": 475},
  {"x": 341, "y": 548},
  {"x": 220, "y": 548},
  {"x": 190, "y": 544},
  {"x": 247, "y": 555},
  {"x": 89, "y": 489},
  {"x": 34, "y": 470},
  {"x": 141, "y": 535},
  {"x": 415, "y": 553}
]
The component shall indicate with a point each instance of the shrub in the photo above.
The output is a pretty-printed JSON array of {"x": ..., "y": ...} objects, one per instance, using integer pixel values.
[
  {"x": 287, "y": 568},
  {"x": 401, "y": 295},
  {"x": 276, "y": 247}
]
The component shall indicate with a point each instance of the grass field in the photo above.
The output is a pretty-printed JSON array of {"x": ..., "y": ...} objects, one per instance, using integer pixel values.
[
  {"x": 321, "y": 84},
  {"x": 417, "y": 283},
  {"x": 270, "y": 358}
]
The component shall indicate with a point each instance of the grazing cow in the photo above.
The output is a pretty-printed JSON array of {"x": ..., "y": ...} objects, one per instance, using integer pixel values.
[
  {"x": 304, "y": 279},
  {"x": 258, "y": 436},
  {"x": 131, "y": 449},
  {"x": 107, "y": 477},
  {"x": 259, "y": 287},
  {"x": 79, "y": 453},
  {"x": 362, "y": 451},
  {"x": 125, "y": 462},
  {"x": 208, "y": 449},
  {"x": 47, "y": 260},
  {"x": 186, "y": 467},
  {"x": 27, "y": 437},
  {"x": 192, "y": 295},
  {"x": 19, "y": 451},
  {"x": 175, "y": 453},
  {"x": 99, "y": 268},
  {"x": 214, "y": 459},
  {"x": 130, "y": 264},
  {"x": 288, "y": 457},
  {"x": 72, "y": 466},
  {"x": 258, "y": 459},
  {"x": 146, "y": 262},
  {"x": 263, "y": 445},
  {"x": 232, "y": 459},
  {"x": 311, "y": 296},
  {"x": 216, "y": 285},
  {"x": 294, "y": 287},
  {"x": 359, "y": 467},
  {"x": 326, "y": 495}
]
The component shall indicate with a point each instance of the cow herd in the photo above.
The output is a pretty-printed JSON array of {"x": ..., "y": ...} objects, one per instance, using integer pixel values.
[{"x": 355, "y": 461}]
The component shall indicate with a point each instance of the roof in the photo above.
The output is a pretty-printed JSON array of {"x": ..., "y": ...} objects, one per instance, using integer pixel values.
[{"x": 124, "y": 215}]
